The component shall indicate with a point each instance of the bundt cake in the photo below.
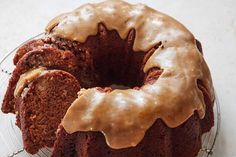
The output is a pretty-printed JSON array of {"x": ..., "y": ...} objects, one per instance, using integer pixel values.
[{"x": 112, "y": 79}]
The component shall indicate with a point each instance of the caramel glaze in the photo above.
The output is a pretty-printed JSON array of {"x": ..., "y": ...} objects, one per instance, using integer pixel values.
[
  {"x": 27, "y": 78},
  {"x": 124, "y": 116}
]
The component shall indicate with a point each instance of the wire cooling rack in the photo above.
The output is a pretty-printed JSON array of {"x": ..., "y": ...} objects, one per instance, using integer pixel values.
[{"x": 10, "y": 135}]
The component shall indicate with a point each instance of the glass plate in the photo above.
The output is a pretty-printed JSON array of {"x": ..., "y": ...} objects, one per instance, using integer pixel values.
[{"x": 10, "y": 135}]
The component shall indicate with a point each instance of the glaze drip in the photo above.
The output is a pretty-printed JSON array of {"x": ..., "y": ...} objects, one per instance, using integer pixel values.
[
  {"x": 27, "y": 78},
  {"x": 124, "y": 116}
]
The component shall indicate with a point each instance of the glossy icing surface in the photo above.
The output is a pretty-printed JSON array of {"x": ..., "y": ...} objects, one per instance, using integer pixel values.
[
  {"x": 27, "y": 78},
  {"x": 124, "y": 116}
]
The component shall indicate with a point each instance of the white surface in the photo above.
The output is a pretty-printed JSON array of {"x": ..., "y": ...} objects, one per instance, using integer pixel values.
[{"x": 212, "y": 22}]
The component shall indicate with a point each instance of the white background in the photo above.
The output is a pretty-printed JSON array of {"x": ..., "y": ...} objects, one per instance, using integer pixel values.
[{"x": 213, "y": 22}]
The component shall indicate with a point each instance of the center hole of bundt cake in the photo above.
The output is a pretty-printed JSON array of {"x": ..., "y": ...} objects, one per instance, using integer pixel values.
[
  {"x": 119, "y": 68},
  {"x": 109, "y": 61}
]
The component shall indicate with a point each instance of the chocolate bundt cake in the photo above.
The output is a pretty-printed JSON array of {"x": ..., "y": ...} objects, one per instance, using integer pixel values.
[{"x": 112, "y": 80}]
